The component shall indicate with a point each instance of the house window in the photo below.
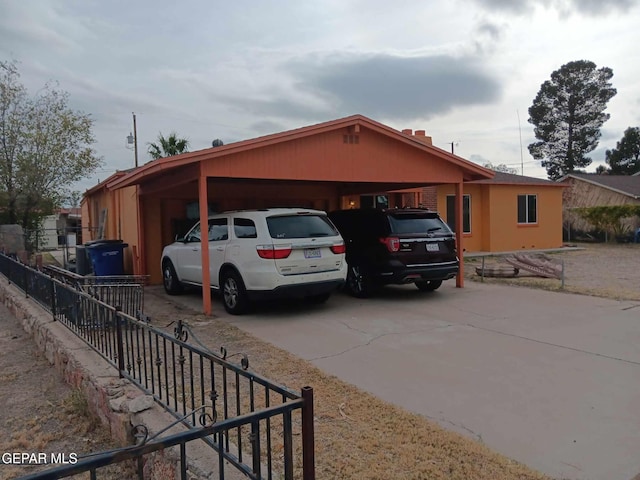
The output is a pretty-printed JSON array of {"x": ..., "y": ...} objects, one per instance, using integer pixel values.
[
  {"x": 466, "y": 212},
  {"x": 527, "y": 209}
]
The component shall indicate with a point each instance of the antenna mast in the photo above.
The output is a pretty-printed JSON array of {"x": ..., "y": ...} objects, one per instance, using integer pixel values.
[{"x": 521, "y": 157}]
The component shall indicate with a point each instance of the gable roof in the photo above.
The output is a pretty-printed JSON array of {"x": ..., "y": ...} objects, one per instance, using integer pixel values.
[
  {"x": 625, "y": 184},
  {"x": 471, "y": 170},
  {"x": 502, "y": 178}
]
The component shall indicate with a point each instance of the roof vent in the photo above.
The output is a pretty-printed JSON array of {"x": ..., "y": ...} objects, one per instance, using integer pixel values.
[{"x": 217, "y": 143}]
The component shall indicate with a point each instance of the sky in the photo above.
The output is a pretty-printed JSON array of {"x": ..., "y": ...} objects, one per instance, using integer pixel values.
[{"x": 466, "y": 71}]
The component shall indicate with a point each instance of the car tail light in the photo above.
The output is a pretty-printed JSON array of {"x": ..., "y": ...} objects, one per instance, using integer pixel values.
[
  {"x": 392, "y": 243},
  {"x": 273, "y": 252},
  {"x": 338, "y": 248}
]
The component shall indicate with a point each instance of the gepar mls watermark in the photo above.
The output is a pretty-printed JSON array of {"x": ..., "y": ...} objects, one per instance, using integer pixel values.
[{"x": 38, "y": 458}]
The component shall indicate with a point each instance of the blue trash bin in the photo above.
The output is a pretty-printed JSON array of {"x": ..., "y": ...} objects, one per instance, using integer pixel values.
[{"x": 107, "y": 257}]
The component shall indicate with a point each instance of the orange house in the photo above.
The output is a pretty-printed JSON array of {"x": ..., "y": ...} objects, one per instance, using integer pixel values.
[
  {"x": 326, "y": 166},
  {"x": 505, "y": 213}
]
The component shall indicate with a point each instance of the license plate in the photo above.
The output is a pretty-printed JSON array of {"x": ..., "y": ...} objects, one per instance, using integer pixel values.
[
  {"x": 312, "y": 253},
  {"x": 433, "y": 247}
]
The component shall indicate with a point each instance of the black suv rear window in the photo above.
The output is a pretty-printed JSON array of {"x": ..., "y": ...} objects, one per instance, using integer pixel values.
[
  {"x": 417, "y": 223},
  {"x": 300, "y": 226}
]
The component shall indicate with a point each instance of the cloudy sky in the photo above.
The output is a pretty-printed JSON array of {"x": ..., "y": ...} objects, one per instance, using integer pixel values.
[{"x": 466, "y": 71}]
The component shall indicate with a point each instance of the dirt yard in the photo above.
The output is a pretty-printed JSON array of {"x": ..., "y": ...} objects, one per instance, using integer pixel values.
[
  {"x": 603, "y": 270},
  {"x": 40, "y": 412},
  {"x": 358, "y": 436}
]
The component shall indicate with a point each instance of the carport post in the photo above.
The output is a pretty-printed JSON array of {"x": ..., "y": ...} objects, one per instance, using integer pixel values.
[
  {"x": 459, "y": 234},
  {"x": 204, "y": 241}
]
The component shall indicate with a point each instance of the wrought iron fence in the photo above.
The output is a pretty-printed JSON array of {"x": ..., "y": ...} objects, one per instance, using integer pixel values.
[
  {"x": 247, "y": 418},
  {"x": 215, "y": 433},
  {"x": 125, "y": 291}
]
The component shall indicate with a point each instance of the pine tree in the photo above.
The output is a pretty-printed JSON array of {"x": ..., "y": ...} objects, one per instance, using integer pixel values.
[{"x": 567, "y": 113}]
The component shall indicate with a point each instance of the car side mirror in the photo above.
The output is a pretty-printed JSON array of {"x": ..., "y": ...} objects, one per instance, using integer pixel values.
[{"x": 180, "y": 238}]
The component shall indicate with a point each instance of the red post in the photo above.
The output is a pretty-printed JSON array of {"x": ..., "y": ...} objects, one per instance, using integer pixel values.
[{"x": 460, "y": 231}]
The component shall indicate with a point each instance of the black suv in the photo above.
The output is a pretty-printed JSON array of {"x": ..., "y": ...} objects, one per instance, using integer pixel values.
[{"x": 396, "y": 246}]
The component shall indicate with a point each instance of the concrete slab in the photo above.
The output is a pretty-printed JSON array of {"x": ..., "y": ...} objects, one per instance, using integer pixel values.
[{"x": 549, "y": 379}]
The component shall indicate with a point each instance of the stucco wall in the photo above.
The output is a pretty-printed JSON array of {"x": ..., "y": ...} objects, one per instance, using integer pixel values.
[{"x": 494, "y": 217}]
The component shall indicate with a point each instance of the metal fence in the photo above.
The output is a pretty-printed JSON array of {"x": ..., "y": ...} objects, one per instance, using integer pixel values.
[
  {"x": 125, "y": 291},
  {"x": 247, "y": 419}
]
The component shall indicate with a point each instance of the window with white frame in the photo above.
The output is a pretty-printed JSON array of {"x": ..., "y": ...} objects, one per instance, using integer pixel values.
[
  {"x": 466, "y": 212},
  {"x": 527, "y": 209}
]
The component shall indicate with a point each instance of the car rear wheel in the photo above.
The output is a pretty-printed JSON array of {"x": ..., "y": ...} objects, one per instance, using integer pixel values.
[
  {"x": 169, "y": 279},
  {"x": 234, "y": 295},
  {"x": 358, "y": 284},
  {"x": 428, "y": 285}
]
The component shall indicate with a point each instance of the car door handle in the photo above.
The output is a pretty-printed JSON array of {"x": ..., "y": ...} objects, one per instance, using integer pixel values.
[{"x": 220, "y": 249}]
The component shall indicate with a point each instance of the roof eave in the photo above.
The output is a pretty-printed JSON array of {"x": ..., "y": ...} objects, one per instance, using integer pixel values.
[
  {"x": 472, "y": 170},
  {"x": 601, "y": 185}
]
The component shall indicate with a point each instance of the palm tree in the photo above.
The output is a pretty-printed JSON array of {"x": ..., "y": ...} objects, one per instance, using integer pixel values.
[{"x": 169, "y": 146}]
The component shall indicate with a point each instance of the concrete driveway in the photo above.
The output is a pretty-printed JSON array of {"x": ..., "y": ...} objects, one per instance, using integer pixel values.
[{"x": 551, "y": 380}]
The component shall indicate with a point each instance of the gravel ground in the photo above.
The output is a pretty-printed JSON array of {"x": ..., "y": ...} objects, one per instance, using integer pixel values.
[{"x": 603, "y": 270}]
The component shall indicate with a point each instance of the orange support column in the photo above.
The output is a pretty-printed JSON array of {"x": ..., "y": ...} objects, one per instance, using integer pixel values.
[
  {"x": 204, "y": 245},
  {"x": 459, "y": 234}
]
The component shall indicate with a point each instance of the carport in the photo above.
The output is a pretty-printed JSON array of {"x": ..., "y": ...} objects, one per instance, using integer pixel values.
[{"x": 324, "y": 166}]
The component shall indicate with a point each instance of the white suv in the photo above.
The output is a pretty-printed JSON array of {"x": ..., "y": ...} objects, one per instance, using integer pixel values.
[{"x": 259, "y": 254}]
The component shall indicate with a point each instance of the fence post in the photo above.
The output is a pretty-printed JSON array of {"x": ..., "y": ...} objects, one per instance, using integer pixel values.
[
  {"x": 53, "y": 298},
  {"x": 120, "y": 344},
  {"x": 26, "y": 280},
  {"x": 308, "y": 447}
]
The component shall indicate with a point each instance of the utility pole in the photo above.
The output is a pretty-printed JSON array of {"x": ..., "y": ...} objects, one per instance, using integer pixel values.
[
  {"x": 135, "y": 139},
  {"x": 132, "y": 138}
]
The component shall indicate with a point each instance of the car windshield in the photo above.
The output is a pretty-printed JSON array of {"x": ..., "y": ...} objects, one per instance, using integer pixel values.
[
  {"x": 300, "y": 226},
  {"x": 417, "y": 223}
]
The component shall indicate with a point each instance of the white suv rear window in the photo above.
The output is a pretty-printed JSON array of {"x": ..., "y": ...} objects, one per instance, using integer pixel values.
[{"x": 300, "y": 226}]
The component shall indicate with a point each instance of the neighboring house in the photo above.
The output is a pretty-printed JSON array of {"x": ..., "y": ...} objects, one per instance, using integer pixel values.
[
  {"x": 61, "y": 228},
  {"x": 592, "y": 190},
  {"x": 505, "y": 213},
  {"x": 48, "y": 233}
]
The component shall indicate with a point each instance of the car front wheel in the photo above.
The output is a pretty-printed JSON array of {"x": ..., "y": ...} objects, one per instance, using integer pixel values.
[
  {"x": 234, "y": 295},
  {"x": 428, "y": 285},
  {"x": 169, "y": 279}
]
